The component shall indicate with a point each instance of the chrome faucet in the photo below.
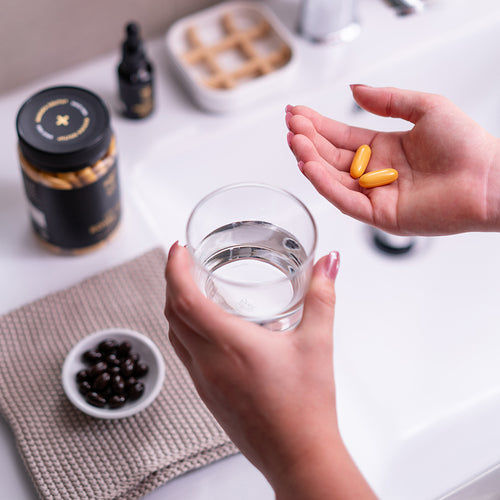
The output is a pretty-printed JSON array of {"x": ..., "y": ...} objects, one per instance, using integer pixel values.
[
  {"x": 334, "y": 21},
  {"x": 405, "y": 7},
  {"x": 329, "y": 21}
]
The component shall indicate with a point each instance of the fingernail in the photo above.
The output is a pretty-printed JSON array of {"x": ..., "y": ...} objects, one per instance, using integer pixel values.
[
  {"x": 354, "y": 85},
  {"x": 288, "y": 108},
  {"x": 288, "y": 117},
  {"x": 173, "y": 248},
  {"x": 300, "y": 164},
  {"x": 332, "y": 265},
  {"x": 289, "y": 137}
]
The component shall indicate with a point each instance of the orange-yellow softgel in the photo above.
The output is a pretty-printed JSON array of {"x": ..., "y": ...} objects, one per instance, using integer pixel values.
[
  {"x": 360, "y": 161},
  {"x": 378, "y": 178}
]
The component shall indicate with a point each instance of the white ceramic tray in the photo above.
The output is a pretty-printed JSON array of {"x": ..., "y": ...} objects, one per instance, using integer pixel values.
[{"x": 230, "y": 55}]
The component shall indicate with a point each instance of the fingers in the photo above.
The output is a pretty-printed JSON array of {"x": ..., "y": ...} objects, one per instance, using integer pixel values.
[
  {"x": 188, "y": 310},
  {"x": 300, "y": 125},
  {"x": 305, "y": 151},
  {"x": 338, "y": 187},
  {"x": 338, "y": 134},
  {"x": 319, "y": 303},
  {"x": 184, "y": 299},
  {"x": 182, "y": 302},
  {"x": 384, "y": 101},
  {"x": 396, "y": 103}
]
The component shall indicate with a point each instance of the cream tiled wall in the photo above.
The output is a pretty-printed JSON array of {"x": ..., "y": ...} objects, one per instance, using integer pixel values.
[{"x": 39, "y": 37}]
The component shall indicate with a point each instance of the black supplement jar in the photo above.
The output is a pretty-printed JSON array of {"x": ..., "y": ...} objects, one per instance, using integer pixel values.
[{"x": 68, "y": 158}]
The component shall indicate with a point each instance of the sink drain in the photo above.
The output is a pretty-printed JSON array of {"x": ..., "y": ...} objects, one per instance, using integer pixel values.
[{"x": 392, "y": 244}]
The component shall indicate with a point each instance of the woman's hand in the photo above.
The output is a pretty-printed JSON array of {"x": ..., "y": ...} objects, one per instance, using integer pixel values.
[
  {"x": 273, "y": 393},
  {"x": 449, "y": 167}
]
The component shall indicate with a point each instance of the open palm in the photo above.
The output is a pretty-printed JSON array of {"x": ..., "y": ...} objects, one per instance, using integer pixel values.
[{"x": 446, "y": 163}]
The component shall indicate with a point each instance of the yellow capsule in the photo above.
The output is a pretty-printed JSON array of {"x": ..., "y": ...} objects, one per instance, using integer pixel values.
[
  {"x": 378, "y": 178},
  {"x": 360, "y": 161}
]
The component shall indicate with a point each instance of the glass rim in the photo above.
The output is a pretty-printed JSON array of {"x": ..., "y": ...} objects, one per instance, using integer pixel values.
[{"x": 229, "y": 187}]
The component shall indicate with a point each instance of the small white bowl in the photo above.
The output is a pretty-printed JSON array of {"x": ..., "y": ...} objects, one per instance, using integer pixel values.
[{"x": 142, "y": 345}]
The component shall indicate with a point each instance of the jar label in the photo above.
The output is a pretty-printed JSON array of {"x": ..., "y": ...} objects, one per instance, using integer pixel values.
[
  {"x": 75, "y": 218},
  {"x": 137, "y": 99},
  {"x": 62, "y": 120}
]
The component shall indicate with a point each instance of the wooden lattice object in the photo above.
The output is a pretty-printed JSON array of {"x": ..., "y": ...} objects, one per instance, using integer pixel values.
[{"x": 251, "y": 62}]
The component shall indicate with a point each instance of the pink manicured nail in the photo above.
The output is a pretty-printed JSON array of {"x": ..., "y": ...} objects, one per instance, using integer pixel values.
[
  {"x": 355, "y": 85},
  {"x": 288, "y": 117},
  {"x": 173, "y": 248},
  {"x": 289, "y": 137},
  {"x": 332, "y": 265},
  {"x": 300, "y": 164},
  {"x": 288, "y": 108}
]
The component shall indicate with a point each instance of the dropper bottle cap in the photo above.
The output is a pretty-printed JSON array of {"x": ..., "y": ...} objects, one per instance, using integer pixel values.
[{"x": 132, "y": 48}]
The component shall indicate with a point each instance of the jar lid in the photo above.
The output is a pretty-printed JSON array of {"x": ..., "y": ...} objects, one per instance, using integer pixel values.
[{"x": 61, "y": 129}]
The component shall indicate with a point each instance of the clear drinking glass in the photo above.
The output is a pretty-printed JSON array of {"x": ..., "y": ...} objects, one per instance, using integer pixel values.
[{"x": 253, "y": 248}]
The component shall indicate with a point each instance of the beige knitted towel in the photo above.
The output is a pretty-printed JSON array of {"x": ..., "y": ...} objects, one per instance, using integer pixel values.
[{"x": 70, "y": 455}]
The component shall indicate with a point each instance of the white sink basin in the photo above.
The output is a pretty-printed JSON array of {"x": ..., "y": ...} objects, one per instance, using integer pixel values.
[{"x": 417, "y": 338}]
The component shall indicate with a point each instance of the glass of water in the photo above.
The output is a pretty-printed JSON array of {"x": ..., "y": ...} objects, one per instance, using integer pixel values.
[{"x": 253, "y": 248}]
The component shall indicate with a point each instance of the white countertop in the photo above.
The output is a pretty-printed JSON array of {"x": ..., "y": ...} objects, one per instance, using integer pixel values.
[{"x": 419, "y": 389}]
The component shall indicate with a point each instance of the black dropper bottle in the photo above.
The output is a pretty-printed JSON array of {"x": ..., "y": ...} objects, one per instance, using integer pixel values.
[{"x": 135, "y": 76}]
